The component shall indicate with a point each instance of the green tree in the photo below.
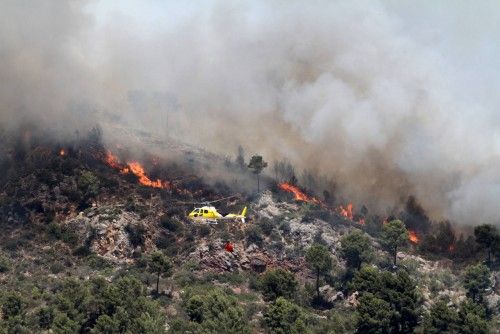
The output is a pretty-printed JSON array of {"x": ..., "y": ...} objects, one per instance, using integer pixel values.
[
  {"x": 488, "y": 237},
  {"x": 195, "y": 308},
  {"x": 277, "y": 283},
  {"x": 63, "y": 324},
  {"x": 88, "y": 183},
  {"x": 356, "y": 249},
  {"x": 45, "y": 317},
  {"x": 397, "y": 289},
  {"x": 394, "y": 235},
  {"x": 374, "y": 314},
  {"x": 472, "y": 318},
  {"x": 161, "y": 265},
  {"x": 12, "y": 305},
  {"x": 4, "y": 264},
  {"x": 320, "y": 261},
  {"x": 284, "y": 317},
  {"x": 441, "y": 319},
  {"x": 257, "y": 164},
  {"x": 216, "y": 312},
  {"x": 476, "y": 280},
  {"x": 106, "y": 324}
]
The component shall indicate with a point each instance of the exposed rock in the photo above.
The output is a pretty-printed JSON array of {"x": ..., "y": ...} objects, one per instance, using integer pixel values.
[
  {"x": 266, "y": 207},
  {"x": 493, "y": 301},
  {"x": 353, "y": 299},
  {"x": 330, "y": 294},
  {"x": 105, "y": 228},
  {"x": 258, "y": 264},
  {"x": 251, "y": 248}
]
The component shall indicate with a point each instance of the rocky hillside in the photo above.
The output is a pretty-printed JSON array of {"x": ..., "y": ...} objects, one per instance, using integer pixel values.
[{"x": 87, "y": 247}]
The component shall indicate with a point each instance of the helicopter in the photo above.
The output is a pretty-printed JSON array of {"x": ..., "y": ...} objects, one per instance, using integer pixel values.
[{"x": 209, "y": 214}]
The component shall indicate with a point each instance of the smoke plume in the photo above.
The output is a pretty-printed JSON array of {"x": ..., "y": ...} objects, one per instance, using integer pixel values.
[{"x": 341, "y": 87}]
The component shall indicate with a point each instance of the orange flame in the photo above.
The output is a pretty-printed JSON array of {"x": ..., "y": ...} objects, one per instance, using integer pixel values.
[
  {"x": 138, "y": 171},
  {"x": 412, "y": 235},
  {"x": 135, "y": 168},
  {"x": 299, "y": 194},
  {"x": 62, "y": 152},
  {"x": 346, "y": 212},
  {"x": 112, "y": 160}
]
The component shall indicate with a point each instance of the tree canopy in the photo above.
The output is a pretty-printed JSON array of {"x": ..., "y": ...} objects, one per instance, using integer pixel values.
[
  {"x": 394, "y": 297},
  {"x": 277, "y": 283},
  {"x": 212, "y": 312},
  {"x": 160, "y": 264},
  {"x": 257, "y": 164},
  {"x": 476, "y": 280},
  {"x": 488, "y": 237},
  {"x": 467, "y": 318},
  {"x": 356, "y": 249},
  {"x": 284, "y": 317},
  {"x": 320, "y": 261},
  {"x": 394, "y": 235}
]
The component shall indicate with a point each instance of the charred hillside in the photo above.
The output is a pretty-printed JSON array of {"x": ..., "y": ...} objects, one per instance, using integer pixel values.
[{"x": 80, "y": 219}]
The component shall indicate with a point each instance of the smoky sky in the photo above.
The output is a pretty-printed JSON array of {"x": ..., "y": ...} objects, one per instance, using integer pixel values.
[{"x": 391, "y": 98}]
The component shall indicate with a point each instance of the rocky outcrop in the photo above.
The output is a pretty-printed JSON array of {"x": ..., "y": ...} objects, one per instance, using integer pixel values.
[{"x": 104, "y": 230}]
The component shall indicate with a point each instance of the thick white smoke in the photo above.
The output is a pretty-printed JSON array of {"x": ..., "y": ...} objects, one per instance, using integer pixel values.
[{"x": 340, "y": 87}]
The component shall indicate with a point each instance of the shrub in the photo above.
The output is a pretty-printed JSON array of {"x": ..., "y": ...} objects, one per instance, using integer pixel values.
[
  {"x": 285, "y": 228},
  {"x": 283, "y": 316},
  {"x": 88, "y": 183},
  {"x": 12, "y": 305},
  {"x": 277, "y": 283},
  {"x": 63, "y": 233},
  {"x": 195, "y": 308},
  {"x": 124, "y": 301},
  {"x": 266, "y": 226},
  {"x": 136, "y": 234},
  {"x": 170, "y": 224},
  {"x": 254, "y": 236},
  {"x": 4, "y": 264},
  {"x": 45, "y": 317},
  {"x": 166, "y": 241},
  {"x": 215, "y": 312},
  {"x": 56, "y": 268}
]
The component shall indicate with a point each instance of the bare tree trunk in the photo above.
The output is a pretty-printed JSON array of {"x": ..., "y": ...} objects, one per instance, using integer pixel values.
[
  {"x": 158, "y": 283},
  {"x": 317, "y": 282},
  {"x": 395, "y": 254},
  {"x": 258, "y": 184}
]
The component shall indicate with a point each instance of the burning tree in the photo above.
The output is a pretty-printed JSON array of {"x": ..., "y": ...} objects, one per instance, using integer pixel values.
[
  {"x": 257, "y": 163},
  {"x": 240, "y": 158}
]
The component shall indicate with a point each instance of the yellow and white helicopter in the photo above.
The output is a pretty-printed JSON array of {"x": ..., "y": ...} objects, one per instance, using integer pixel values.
[{"x": 210, "y": 215}]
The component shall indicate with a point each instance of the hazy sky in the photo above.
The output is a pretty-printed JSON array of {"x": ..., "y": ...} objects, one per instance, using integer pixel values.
[{"x": 465, "y": 32}]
